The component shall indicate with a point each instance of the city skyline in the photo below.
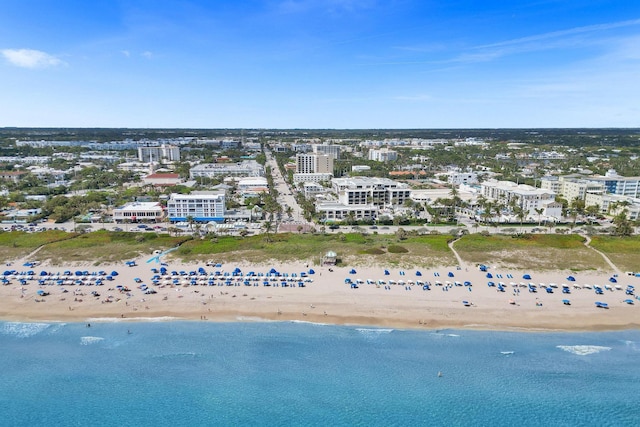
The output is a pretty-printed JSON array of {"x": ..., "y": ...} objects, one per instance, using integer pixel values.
[{"x": 349, "y": 64}]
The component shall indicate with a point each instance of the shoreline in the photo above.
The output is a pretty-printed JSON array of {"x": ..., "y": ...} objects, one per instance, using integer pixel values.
[
  {"x": 400, "y": 326},
  {"x": 321, "y": 294}
]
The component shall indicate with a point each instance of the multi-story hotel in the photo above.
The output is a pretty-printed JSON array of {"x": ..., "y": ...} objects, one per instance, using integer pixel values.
[
  {"x": 314, "y": 163},
  {"x": 527, "y": 197},
  {"x": 200, "y": 206},
  {"x": 158, "y": 154},
  {"x": 211, "y": 170},
  {"x": 383, "y": 155},
  {"x": 370, "y": 191}
]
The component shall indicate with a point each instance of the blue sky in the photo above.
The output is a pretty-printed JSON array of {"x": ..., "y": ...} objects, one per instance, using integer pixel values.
[{"x": 320, "y": 63}]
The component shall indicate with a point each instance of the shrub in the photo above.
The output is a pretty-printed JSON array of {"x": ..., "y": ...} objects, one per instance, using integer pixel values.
[{"x": 397, "y": 249}]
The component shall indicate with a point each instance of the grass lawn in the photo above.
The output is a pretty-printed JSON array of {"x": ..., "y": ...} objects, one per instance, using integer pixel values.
[
  {"x": 352, "y": 249},
  {"x": 18, "y": 244},
  {"x": 534, "y": 252},
  {"x": 102, "y": 247},
  {"x": 624, "y": 252},
  {"x": 531, "y": 252}
]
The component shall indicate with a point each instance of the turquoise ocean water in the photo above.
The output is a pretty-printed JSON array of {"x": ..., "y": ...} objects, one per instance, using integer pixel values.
[{"x": 225, "y": 374}]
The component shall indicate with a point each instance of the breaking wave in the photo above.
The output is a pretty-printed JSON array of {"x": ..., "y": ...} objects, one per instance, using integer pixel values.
[{"x": 583, "y": 350}]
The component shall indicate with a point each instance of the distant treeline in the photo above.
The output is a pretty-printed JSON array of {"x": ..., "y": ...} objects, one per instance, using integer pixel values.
[{"x": 571, "y": 137}]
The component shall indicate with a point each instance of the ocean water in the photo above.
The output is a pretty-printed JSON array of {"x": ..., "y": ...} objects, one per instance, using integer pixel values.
[{"x": 179, "y": 373}]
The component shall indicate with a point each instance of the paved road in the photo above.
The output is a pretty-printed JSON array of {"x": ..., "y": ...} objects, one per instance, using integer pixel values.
[{"x": 285, "y": 193}]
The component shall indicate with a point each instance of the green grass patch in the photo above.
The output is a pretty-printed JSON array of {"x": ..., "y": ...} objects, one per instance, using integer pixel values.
[
  {"x": 104, "y": 247},
  {"x": 624, "y": 252},
  {"x": 352, "y": 249},
  {"x": 535, "y": 252},
  {"x": 397, "y": 249},
  {"x": 18, "y": 244}
]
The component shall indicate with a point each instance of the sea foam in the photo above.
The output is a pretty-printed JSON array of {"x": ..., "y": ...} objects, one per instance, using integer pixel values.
[
  {"x": 583, "y": 350},
  {"x": 374, "y": 331},
  {"x": 23, "y": 330},
  {"x": 90, "y": 340}
]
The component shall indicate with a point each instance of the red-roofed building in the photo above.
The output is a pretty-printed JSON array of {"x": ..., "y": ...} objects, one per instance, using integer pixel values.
[
  {"x": 163, "y": 179},
  {"x": 14, "y": 176}
]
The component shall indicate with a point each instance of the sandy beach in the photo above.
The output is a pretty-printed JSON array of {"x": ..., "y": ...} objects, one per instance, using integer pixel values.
[{"x": 398, "y": 299}]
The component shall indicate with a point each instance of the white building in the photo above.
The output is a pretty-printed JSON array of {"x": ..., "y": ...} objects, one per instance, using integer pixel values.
[
  {"x": 133, "y": 167},
  {"x": 551, "y": 183},
  {"x": 312, "y": 177},
  {"x": 252, "y": 186},
  {"x": 200, "y": 206},
  {"x": 383, "y": 155},
  {"x": 614, "y": 204},
  {"x": 360, "y": 168},
  {"x": 330, "y": 211},
  {"x": 212, "y": 170},
  {"x": 459, "y": 178},
  {"x": 139, "y": 212},
  {"x": 159, "y": 154},
  {"x": 370, "y": 191},
  {"x": 572, "y": 186},
  {"x": 328, "y": 149},
  {"x": 628, "y": 186},
  {"x": 527, "y": 197},
  {"x": 312, "y": 189}
]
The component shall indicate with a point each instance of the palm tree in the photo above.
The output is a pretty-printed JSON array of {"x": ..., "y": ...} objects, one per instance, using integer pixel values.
[
  {"x": 487, "y": 212},
  {"x": 521, "y": 214},
  {"x": 623, "y": 226},
  {"x": 539, "y": 211},
  {"x": 497, "y": 208},
  {"x": 351, "y": 217},
  {"x": 268, "y": 227}
]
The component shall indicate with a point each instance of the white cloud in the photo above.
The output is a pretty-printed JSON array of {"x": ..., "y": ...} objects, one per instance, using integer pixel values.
[
  {"x": 563, "y": 33},
  {"x": 29, "y": 58},
  {"x": 147, "y": 54},
  {"x": 126, "y": 53}
]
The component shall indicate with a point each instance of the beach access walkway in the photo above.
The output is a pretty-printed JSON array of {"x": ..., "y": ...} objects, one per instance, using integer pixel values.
[
  {"x": 587, "y": 243},
  {"x": 455, "y": 253}
]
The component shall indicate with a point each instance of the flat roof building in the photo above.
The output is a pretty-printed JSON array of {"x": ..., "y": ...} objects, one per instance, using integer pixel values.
[
  {"x": 211, "y": 170},
  {"x": 158, "y": 154},
  {"x": 375, "y": 191},
  {"x": 200, "y": 206},
  {"x": 139, "y": 212}
]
